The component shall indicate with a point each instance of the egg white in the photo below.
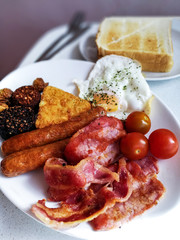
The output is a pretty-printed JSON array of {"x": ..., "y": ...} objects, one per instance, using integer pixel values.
[{"x": 121, "y": 77}]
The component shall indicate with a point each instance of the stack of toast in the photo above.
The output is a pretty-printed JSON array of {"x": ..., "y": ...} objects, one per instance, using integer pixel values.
[{"x": 146, "y": 39}]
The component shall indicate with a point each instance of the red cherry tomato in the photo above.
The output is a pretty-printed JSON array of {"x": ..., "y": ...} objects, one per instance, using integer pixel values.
[
  {"x": 134, "y": 146},
  {"x": 138, "y": 122},
  {"x": 163, "y": 143}
]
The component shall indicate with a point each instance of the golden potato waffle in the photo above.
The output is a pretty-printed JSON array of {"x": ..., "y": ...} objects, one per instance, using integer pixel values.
[{"x": 57, "y": 106}]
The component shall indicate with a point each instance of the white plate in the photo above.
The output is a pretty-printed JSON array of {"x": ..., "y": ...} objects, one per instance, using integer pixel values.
[
  {"x": 88, "y": 50},
  {"x": 25, "y": 190}
]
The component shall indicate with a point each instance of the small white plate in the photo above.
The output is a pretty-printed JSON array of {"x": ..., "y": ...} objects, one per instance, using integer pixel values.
[
  {"x": 88, "y": 50},
  {"x": 25, "y": 190}
]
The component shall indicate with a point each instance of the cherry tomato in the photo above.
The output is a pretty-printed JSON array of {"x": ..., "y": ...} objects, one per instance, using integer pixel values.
[
  {"x": 134, "y": 146},
  {"x": 138, "y": 122},
  {"x": 163, "y": 143}
]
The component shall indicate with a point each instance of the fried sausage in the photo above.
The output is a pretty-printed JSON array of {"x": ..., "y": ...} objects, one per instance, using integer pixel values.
[
  {"x": 51, "y": 133},
  {"x": 31, "y": 159}
]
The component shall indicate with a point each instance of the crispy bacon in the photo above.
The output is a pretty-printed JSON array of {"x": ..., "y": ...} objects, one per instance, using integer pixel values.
[
  {"x": 61, "y": 194},
  {"x": 110, "y": 155},
  {"x": 81, "y": 209},
  {"x": 94, "y": 139},
  {"x": 144, "y": 197},
  {"x": 85, "y": 205},
  {"x": 144, "y": 168},
  {"x": 64, "y": 179},
  {"x": 69, "y": 215},
  {"x": 147, "y": 190}
]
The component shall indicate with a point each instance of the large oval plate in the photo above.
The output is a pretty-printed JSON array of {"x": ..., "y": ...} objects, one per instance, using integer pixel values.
[{"x": 25, "y": 190}]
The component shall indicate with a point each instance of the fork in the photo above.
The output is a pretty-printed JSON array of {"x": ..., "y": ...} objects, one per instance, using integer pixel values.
[{"x": 74, "y": 28}]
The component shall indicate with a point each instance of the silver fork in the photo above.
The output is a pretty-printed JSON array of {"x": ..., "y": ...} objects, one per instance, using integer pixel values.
[{"x": 74, "y": 28}]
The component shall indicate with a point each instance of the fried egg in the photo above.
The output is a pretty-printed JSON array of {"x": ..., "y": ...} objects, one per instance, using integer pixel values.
[{"x": 117, "y": 84}]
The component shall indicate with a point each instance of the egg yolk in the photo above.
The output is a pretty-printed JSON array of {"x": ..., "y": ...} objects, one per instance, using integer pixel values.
[{"x": 108, "y": 102}]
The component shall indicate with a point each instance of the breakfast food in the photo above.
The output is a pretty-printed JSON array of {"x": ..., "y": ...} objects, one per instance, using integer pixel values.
[
  {"x": 116, "y": 83},
  {"x": 146, "y": 39},
  {"x": 42, "y": 136},
  {"x": 64, "y": 179},
  {"x": 145, "y": 196},
  {"x": 5, "y": 98},
  {"x": 104, "y": 193},
  {"x": 16, "y": 120},
  {"x": 3, "y": 106},
  {"x": 167, "y": 142},
  {"x": 5, "y": 95},
  {"x": 138, "y": 122},
  {"x": 57, "y": 106},
  {"x": 89, "y": 177},
  {"x": 30, "y": 159},
  {"x": 39, "y": 84},
  {"x": 101, "y": 135},
  {"x": 26, "y": 96}
]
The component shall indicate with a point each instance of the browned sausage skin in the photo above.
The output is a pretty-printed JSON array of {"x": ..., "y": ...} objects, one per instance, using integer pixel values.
[
  {"x": 30, "y": 159},
  {"x": 51, "y": 133}
]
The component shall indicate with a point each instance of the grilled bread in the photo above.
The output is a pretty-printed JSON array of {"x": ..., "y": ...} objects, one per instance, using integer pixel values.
[
  {"x": 57, "y": 106},
  {"x": 146, "y": 39}
]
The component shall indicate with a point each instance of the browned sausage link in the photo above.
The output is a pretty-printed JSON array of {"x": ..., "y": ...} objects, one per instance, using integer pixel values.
[
  {"x": 51, "y": 133},
  {"x": 30, "y": 159}
]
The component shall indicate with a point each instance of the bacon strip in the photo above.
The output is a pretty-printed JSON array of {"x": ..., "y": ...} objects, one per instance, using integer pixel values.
[
  {"x": 69, "y": 215},
  {"x": 62, "y": 194},
  {"x": 58, "y": 174},
  {"x": 147, "y": 190},
  {"x": 144, "y": 168},
  {"x": 142, "y": 198},
  {"x": 65, "y": 179},
  {"x": 85, "y": 205},
  {"x": 110, "y": 155},
  {"x": 94, "y": 139}
]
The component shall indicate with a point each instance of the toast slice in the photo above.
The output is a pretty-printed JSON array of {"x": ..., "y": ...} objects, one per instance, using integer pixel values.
[
  {"x": 57, "y": 106},
  {"x": 146, "y": 39}
]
